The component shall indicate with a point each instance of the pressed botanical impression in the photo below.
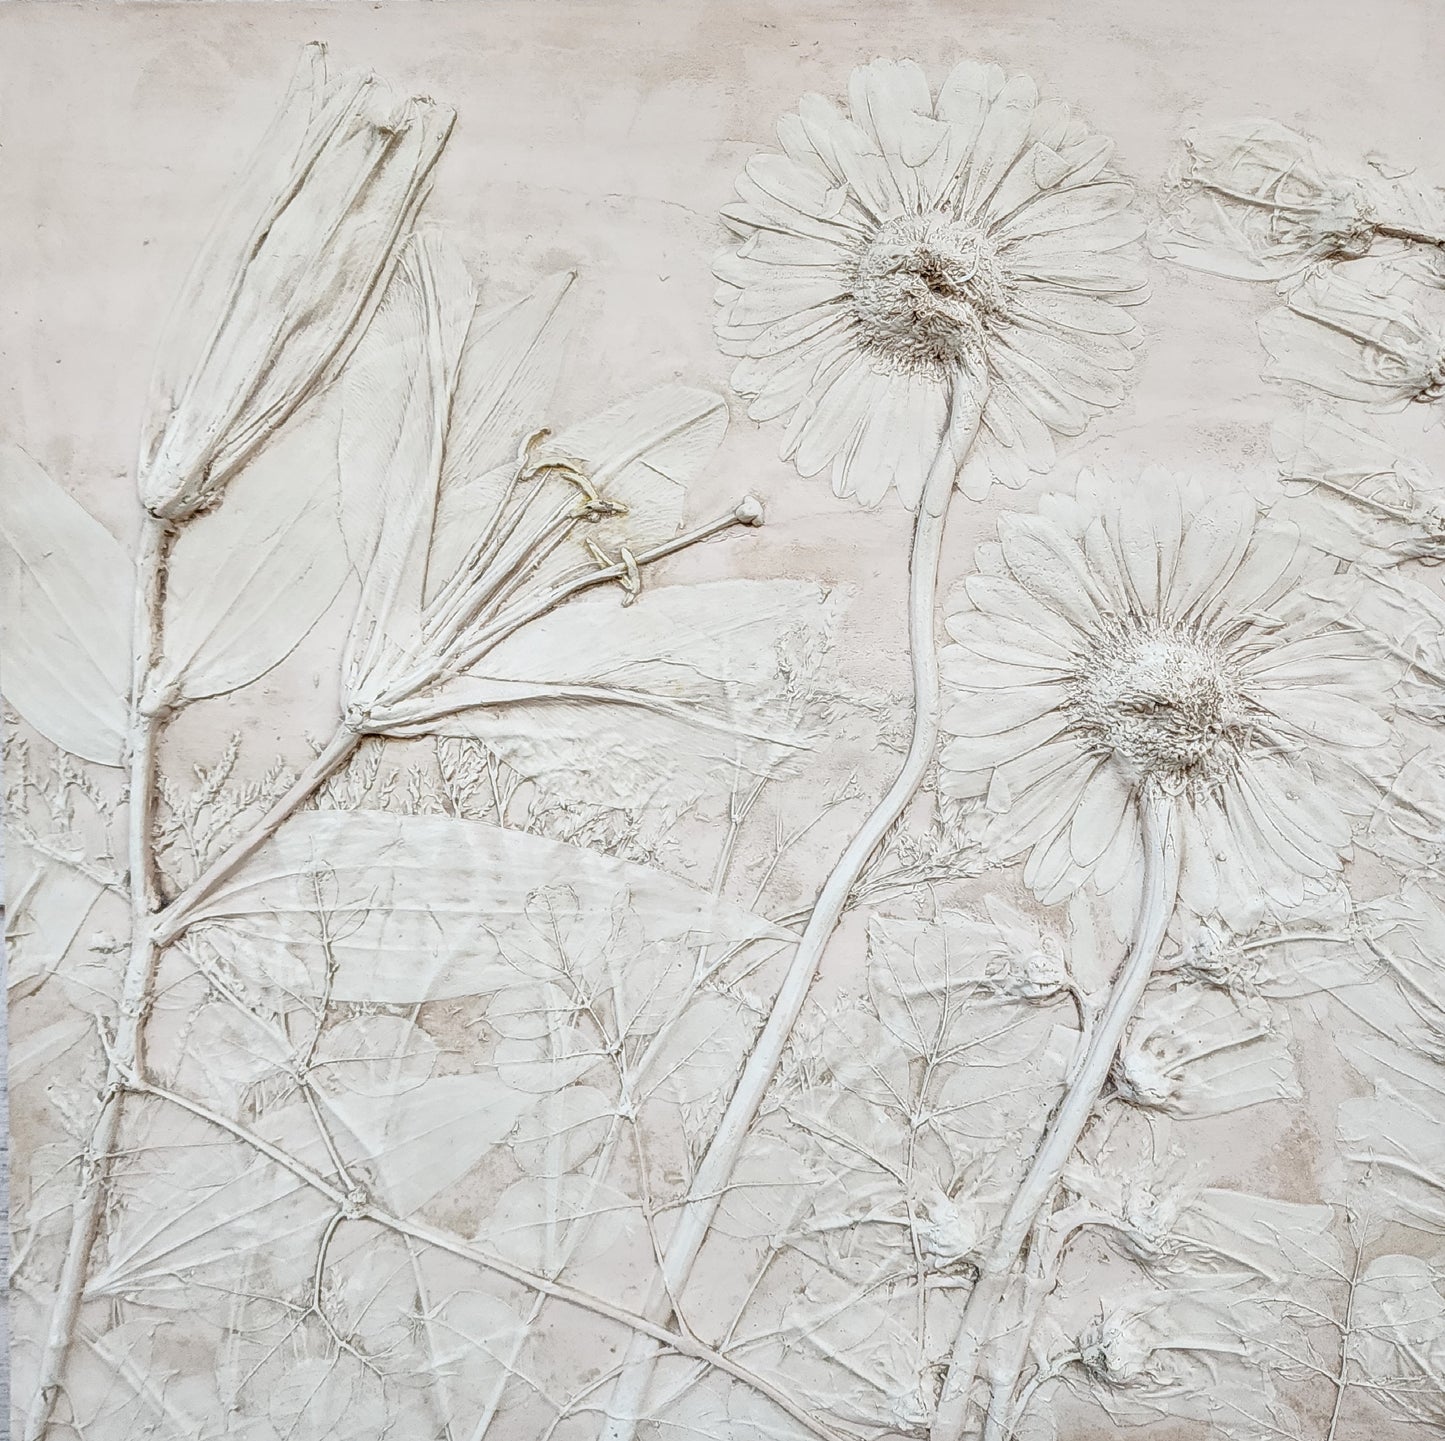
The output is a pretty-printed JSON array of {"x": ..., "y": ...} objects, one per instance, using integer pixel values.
[{"x": 483, "y": 1073}]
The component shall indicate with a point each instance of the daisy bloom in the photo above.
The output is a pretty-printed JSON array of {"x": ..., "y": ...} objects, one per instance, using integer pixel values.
[
  {"x": 1192, "y": 1051},
  {"x": 908, "y": 251},
  {"x": 1185, "y": 1352},
  {"x": 1108, "y": 651}
]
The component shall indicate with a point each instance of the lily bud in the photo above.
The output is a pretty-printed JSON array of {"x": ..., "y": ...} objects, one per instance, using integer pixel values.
[{"x": 288, "y": 279}]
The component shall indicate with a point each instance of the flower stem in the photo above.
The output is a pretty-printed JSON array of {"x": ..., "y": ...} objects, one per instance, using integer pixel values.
[
  {"x": 627, "y": 1403},
  {"x": 384, "y": 712},
  {"x": 1405, "y": 232},
  {"x": 174, "y": 918},
  {"x": 127, "y": 1048},
  {"x": 1069, "y": 1119},
  {"x": 684, "y": 1343}
]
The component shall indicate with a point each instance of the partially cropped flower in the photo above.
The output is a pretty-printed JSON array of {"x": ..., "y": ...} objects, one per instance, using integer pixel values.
[
  {"x": 1193, "y": 1052},
  {"x": 1408, "y": 828},
  {"x": 1111, "y": 648},
  {"x": 1403, "y": 618},
  {"x": 911, "y": 259},
  {"x": 1416, "y": 211},
  {"x": 1254, "y": 200},
  {"x": 911, "y": 1408},
  {"x": 1364, "y": 342},
  {"x": 948, "y": 1229},
  {"x": 488, "y": 534},
  {"x": 1386, "y": 504},
  {"x": 283, "y": 287},
  {"x": 1179, "y": 1353}
]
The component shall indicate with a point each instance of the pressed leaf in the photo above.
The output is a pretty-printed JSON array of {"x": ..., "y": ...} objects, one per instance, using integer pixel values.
[
  {"x": 429, "y": 907},
  {"x": 208, "y": 1205},
  {"x": 1396, "y": 1134},
  {"x": 47, "y": 906},
  {"x": 643, "y": 703},
  {"x": 546, "y": 1223},
  {"x": 1398, "y": 1336},
  {"x": 396, "y": 400},
  {"x": 509, "y": 367},
  {"x": 221, "y": 1202},
  {"x": 249, "y": 579},
  {"x": 66, "y": 587},
  {"x": 418, "y": 1143}
]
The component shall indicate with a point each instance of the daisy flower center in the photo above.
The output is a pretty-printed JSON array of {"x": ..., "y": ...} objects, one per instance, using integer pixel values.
[
  {"x": 1434, "y": 386},
  {"x": 924, "y": 290},
  {"x": 1165, "y": 702}
]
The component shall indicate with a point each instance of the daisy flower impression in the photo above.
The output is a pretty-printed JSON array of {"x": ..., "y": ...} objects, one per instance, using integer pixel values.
[
  {"x": 929, "y": 290},
  {"x": 1108, "y": 651},
  {"x": 908, "y": 251},
  {"x": 1142, "y": 703}
]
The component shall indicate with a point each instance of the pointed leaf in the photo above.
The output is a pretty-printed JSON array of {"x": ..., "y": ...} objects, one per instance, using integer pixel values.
[
  {"x": 429, "y": 907},
  {"x": 622, "y": 705},
  {"x": 249, "y": 579},
  {"x": 66, "y": 588}
]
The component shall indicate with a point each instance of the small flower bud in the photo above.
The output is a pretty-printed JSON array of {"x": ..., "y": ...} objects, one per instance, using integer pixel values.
[{"x": 749, "y": 511}]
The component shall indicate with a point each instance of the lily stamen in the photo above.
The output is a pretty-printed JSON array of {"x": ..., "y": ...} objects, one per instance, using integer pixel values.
[{"x": 747, "y": 512}]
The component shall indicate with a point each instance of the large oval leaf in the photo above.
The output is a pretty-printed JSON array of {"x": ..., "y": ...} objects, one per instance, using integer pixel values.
[
  {"x": 66, "y": 588},
  {"x": 407, "y": 909},
  {"x": 250, "y": 578}
]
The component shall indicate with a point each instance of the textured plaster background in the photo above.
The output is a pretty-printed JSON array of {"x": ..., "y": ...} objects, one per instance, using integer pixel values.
[{"x": 603, "y": 137}]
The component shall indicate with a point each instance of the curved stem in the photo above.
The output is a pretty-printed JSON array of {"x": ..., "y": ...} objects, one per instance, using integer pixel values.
[
  {"x": 629, "y": 1396},
  {"x": 1161, "y": 866},
  {"x": 127, "y": 1048}
]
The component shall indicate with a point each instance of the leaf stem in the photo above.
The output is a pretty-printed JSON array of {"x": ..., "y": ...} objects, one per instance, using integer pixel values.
[
  {"x": 1069, "y": 1119},
  {"x": 1347, "y": 1330},
  {"x": 629, "y": 1396},
  {"x": 680, "y": 1341},
  {"x": 175, "y": 916},
  {"x": 127, "y": 1049}
]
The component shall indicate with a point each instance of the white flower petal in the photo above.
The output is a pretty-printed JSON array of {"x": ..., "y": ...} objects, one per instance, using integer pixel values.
[
  {"x": 996, "y": 711},
  {"x": 973, "y": 753},
  {"x": 1001, "y": 138},
  {"x": 822, "y": 427},
  {"x": 897, "y": 438},
  {"x": 1063, "y": 210},
  {"x": 891, "y": 104},
  {"x": 1103, "y": 808},
  {"x": 1267, "y": 570},
  {"x": 1040, "y": 390},
  {"x": 1006, "y": 598},
  {"x": 1044, "y": 807},
  {"x": 1051, "y": 872},
  {"x": 993, "y": 640},
  {"x": 1213, "y": 546},
  {"x": 1049, "y": 563},
  {"x": 850, "y": 156}
]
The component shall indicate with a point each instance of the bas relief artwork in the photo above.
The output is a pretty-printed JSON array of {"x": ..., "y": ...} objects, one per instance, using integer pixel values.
[{"x": 648, "y": 809}]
